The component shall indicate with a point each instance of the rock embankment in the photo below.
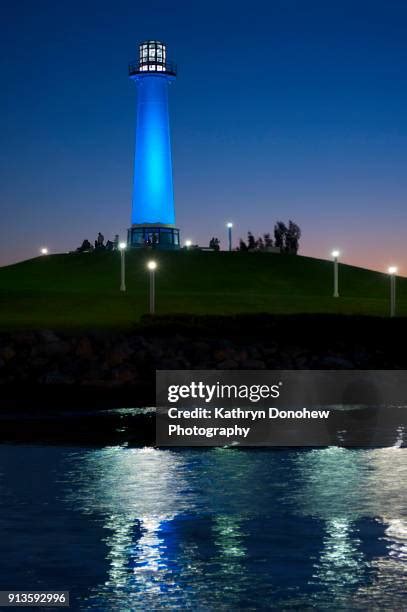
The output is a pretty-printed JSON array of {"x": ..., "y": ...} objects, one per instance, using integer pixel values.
[{"x": 128, "y": 360}]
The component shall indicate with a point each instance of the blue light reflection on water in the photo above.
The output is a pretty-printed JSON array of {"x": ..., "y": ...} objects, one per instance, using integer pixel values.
[{"x": 135, "y": 529}]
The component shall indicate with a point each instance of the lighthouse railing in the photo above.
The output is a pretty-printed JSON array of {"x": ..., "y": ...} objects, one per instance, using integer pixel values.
[{"x": 154, "y": 67}]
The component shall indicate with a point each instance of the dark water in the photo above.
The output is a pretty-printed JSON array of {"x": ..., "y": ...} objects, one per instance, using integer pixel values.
[{"x": 147, "y": 529}]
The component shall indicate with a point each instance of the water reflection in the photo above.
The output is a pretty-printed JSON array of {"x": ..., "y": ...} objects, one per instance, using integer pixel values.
[
  {"x": 228, "y": 537},
  {"x": 388, "y": 480},
  {"x": 118, "y": 543},
  {"x": 138, "y": 491},
  {"x": 341, "y": 561},
  {"x": 344, "y": 488},
  {"x": 143, "y": 482},
  {"x": 226, "y": 529}
]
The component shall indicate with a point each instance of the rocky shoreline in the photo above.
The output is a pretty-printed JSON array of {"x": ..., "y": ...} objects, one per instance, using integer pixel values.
[{"x": 107, "y": 369}]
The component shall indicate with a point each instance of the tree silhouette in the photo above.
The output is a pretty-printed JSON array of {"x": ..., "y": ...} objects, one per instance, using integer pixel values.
[
  {"x": 252, "y": 243},
  {"x": 268, "y": 241},
  {"x": 280, "y": 232},
  {"x": 292, "y": 238}
]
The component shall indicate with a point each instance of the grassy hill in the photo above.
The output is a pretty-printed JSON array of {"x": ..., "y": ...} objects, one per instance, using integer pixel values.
[{"x": 82, "y": 290}]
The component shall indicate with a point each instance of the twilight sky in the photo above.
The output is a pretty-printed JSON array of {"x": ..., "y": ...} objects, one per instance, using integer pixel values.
[{"x": 282, "y": 109}]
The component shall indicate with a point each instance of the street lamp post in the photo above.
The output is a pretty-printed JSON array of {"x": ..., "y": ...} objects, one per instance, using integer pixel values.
[
  {"x": 122, "y": 248},
  {"x": 229, "y": 226},
  {"x": 335, "y": 255},
  {"x": 152, "y": 265},
  {"x": 392, "y": 273}
]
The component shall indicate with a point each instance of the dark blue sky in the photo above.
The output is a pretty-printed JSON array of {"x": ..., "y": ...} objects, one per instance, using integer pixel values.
[{"x": 288, "y": 109}]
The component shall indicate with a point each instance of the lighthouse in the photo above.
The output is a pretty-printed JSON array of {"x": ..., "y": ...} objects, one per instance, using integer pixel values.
[{"x": 153, "y": 215}]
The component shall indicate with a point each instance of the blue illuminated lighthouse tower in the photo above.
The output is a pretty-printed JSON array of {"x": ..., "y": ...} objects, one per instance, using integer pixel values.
[{"x": 153, "y": 216}]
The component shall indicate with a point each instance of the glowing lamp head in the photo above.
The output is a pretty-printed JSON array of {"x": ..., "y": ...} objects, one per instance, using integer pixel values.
[
  {"x": 335, "y": 254},
  {"x": 229, "y": 225},
  {"x": 152, "y": 265},
  {"x": 392, "y": 270},
  {"x": 122, "y": 246},
  {"x": 188, "y": 243},
  {"x": 44, "y": 251}
]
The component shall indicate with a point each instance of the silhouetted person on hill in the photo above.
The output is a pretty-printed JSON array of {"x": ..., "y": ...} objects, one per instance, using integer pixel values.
[
  {"x": 214, "y": 243},
  {"x": 99, "y": 242},
  {"x": 85, "y": 246}
]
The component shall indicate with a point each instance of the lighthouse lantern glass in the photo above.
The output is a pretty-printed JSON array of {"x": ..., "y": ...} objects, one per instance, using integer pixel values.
[{"x": 152, "y": 56}]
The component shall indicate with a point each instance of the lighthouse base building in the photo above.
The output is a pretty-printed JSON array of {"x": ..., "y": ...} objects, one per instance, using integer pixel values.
[
  {"x": 155, "y": 235},
  {"x": 153, "y": 214}
]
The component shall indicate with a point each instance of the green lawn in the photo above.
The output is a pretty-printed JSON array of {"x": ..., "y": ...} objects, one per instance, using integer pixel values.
[{"x": 82, "y": 290}]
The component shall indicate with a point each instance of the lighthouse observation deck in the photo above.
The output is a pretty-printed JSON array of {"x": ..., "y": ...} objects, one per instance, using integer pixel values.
[{"x": 152, "y": 59}]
